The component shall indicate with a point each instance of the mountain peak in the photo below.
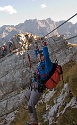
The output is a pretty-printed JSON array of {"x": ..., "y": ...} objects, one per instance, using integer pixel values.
[{"x": 38, "y": 27}]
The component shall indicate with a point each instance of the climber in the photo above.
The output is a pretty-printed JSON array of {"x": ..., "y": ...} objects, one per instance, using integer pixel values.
[
  {"x": 3, "y": 50},
  {"x": 9, "y": 46},
  {"x": 38, "y": 81}
]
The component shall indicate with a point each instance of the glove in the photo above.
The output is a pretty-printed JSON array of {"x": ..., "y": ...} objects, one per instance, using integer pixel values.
[
  {"x": 44, "y": 43},
  {"x": 36, "y": 47}
]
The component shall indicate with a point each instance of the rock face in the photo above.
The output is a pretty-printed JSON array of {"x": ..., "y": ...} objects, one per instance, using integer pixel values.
[
  {"x": 15, "y": 75},
  {"x": 61, "y": 51},
  {"x": 60, "y": 106}
]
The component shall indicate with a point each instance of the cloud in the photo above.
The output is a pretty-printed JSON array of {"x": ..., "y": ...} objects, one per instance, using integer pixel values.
[
  {"x": 9, "y": 9},
  {"x": 43, "y": 5}
]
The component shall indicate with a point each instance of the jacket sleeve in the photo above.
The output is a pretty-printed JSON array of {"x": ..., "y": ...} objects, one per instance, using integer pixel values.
[{"x": 48, "y": 63}]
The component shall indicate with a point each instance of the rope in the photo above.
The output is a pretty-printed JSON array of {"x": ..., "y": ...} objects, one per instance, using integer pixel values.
[
  {"x": 65, "y": 39},
  {"x": 71, "y": 37},
  {"x": 30, "y": 64},
  {"x": 61, "y": 24}
]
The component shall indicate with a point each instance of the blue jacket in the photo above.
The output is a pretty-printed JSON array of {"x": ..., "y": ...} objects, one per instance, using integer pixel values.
[{"x": 46, "y": 66}]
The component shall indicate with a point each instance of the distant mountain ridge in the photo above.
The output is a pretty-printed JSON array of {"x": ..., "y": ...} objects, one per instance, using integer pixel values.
[{"x": 38, "y": 27}]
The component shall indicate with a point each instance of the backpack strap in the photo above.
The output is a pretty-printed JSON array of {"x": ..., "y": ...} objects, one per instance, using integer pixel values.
[{"x": 53, "y": 81}]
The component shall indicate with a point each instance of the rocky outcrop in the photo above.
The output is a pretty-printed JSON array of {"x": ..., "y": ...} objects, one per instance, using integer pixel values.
[{"x": 59, "y": 106}]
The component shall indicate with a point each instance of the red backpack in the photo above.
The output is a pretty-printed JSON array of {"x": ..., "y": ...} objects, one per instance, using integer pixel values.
[{"x": 54, "y": 78}]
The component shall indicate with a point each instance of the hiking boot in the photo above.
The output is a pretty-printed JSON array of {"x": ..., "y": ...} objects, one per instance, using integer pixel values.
[{"x": 31, "y": 123}]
